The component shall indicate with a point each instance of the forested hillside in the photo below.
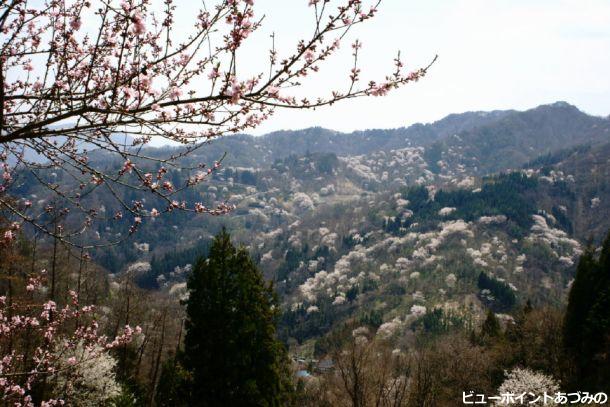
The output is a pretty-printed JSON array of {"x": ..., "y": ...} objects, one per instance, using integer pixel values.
[{"x": 426, "y": 229}]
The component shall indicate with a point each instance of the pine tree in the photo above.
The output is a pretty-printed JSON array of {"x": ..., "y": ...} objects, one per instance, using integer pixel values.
[
  {"x": 579, "y": 300},
  {"x": 587, "y": 321},
  {"x": 174, "y": 385},
  {"x": 491, "y": 326},
  {"x": 230, "y": 348}
]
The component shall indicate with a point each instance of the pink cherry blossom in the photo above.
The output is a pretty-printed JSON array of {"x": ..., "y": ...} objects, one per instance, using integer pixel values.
[
  {"x": 309, "y": 55},
  {"x": 175, "y": 93},
  {"x": 75, "y": 24},
  {"x": 128, "y": 77}
]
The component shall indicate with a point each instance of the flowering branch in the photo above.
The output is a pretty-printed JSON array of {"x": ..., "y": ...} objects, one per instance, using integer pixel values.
[
  {"x": 115, "y": 86},
  {"x": 55, "y": 333}
]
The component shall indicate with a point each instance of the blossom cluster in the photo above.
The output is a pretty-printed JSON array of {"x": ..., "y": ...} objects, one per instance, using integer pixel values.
[
  {"x": 56, "y": 333},
  {"x": 132, "y": 74}
]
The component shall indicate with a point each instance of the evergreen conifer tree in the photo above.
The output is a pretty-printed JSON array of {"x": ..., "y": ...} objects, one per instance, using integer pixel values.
[
  {"x": 491, "y": 326},
  {"x": 174, "y": 385},
  {"x": 587, "y": 321},
  {"x": 230, "y": 348}
]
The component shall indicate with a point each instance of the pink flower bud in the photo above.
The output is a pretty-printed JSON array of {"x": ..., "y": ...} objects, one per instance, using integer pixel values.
[{"x": 75, "y": 24}]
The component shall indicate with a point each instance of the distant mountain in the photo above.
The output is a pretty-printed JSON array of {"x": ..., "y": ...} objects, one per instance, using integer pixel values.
[
  {"x": 250, "y": 151},
  {"x": 518, "y": 137},
  {"x": 481, "y": 141},
  {"x": 34, "y": 156},
  {"x": 587, "y": 169}
]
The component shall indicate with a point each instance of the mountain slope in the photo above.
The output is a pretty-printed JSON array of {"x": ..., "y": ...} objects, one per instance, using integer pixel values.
[
  {"x": 518, "y": 137},
  {"x": 477, "y": 210}
]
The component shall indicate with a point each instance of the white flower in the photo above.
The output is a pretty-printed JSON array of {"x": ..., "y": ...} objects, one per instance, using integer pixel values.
[
  {"x": 360, "y": 331},
  {"x": 143, "y": 247},
  {"x": 179, "y": 290},
  {"x": 595, "y": 202},
  {"x": 339, "y": 300},
  {"x": 329, "y": 240},
  {"x": 492, "y": 219},
  {"x": 446, "y": 211},
  {"x": 418, "y": 296},
  {"x": 401, "y": 203},
  {"x": 302, "y": 202},
  {"x": 402, "y": 263},
  {"x": 527, "y": 381},
  {"x": 86, "y": 376},
  {"x": 267, "y": 256},
  {"x": 467, "y": 182},
  {"x": 323, "y": 231},
  {"x": 418, "y": 310},
  {"x": 139, "y": 267},
  {"x": 450, "y": 280},
  {"x": 388, "y": 329},
  {"x": 313, "y": 308}
]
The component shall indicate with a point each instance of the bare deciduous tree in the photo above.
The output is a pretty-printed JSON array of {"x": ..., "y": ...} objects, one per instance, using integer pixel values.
[{"x": 367, "y": 372}]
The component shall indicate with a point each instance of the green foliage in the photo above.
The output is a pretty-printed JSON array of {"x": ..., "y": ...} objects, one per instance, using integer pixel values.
[
  {"x": 395, "y": 289},
  {"x": 247, "y": 178},
  {"x": 368, "y": 285},
  {"x": 312, "y": 164},
  {"x": 292, "y": 259},
  {"x": 373, "y": 318},
  {"x": 556, "y": 157},
  {"x": 300, "y": 325},
  {"x": 491, "y": 326},
  {"x": 579, "y": 302},
  {"x": 352, "y": 293},
  {"x": 174, "y": 385},
  {"x": 504, "y": 297},
  {"x": 230, "y": 347},
  {"x": 539, "y": 256},
  {"x": 326, "y": 163},
  {"x": 438, "y": 322},
  {"x": 433, "y": 155},
  {"x": 562, "y": 219},
  {"x": 166, "y": 263},
  {"x": 113, "y": 258},
  {"x": 505, "y": 194},
  {"x": 587, "y": 321},
  {"x": 129, "y": 397}
]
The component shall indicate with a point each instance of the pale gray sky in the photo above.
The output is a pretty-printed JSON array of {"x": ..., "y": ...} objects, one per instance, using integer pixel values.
[{"x": 493, "y": 54}]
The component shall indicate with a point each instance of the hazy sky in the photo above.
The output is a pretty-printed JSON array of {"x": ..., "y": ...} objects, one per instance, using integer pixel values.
[{"x": 493, "y": 54}]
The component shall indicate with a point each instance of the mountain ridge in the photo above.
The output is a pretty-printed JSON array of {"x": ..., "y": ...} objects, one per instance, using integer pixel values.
[{"x": 479, "y": 126}]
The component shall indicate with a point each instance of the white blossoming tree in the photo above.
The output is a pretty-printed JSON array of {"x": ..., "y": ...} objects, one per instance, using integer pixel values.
[
  {"x": 42, "y": 343},
  {"x": 523, "y": 380},
  {"x": 86, "y": 376}
]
